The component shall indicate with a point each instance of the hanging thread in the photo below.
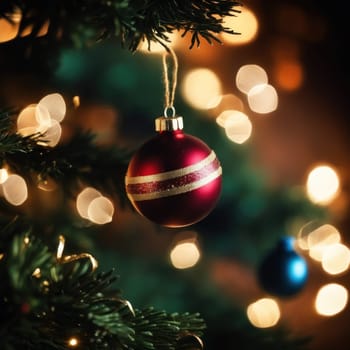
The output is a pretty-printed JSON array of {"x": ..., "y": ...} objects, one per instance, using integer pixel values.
[{"x": 170, "y": 92}]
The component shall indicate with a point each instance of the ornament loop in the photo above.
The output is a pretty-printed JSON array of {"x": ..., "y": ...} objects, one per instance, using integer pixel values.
[{"x": 169, "y": 109}]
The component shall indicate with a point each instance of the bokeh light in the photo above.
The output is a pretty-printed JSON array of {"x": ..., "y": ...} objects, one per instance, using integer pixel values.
[
  {"x": 288, "y": 74},
  {"x": 55, "y": 105},
  {"x": 316, "y": 236},
  {"x": 331, "y": 299},
  {"x": 185, "y": 254},
  {"x": 156, "y": 47},
  {"x": 8, "y": 31},
  {"x": 249, "y": 76},
  {"x": 84, "y": 198},
  {"x": 15, "y": 189},
  {"x": 32, "y": 120},
  {"x": 264, "y": 313},
  {"x": 263, "y": 98},
  {"x": 73, "y": 342},
  {"x": 238, "y": 127},
  {"x": 227, "y": 102},
  {"x": 100, "y": 210},
  {"x": 245, "y": 23},
  {"x": 52, "y": 135},
  {"x": 336, "y": 259},
  {"x": 43, "y": 118},
  {"x": 320, "y": 239},
  {"x": 3, "y": 175},
  {"x": 322, "y": 185},
  {"x": 200, "y": 87}
]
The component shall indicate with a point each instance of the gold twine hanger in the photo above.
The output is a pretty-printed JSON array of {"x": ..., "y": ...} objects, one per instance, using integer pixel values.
[{"x": 169, "y": 82}]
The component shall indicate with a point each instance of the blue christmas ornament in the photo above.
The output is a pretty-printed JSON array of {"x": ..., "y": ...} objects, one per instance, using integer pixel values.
[{"x": 283, "y": 272}]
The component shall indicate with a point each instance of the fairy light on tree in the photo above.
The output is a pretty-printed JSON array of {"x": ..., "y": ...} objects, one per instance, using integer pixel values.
[
  {"x": 264, "y": 313},
  {"x": 73, "y": 342}
]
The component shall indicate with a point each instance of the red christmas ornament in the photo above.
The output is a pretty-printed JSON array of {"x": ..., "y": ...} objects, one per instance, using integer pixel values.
[{"x": 174, "y": 179}]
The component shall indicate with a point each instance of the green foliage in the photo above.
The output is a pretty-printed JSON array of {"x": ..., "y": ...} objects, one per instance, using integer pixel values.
[
  {"x": 47, "y": 300},
  {"x": 132, "y": 21}
]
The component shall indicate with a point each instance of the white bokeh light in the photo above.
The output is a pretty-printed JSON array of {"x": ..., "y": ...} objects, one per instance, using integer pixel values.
[
  {"x": 331, "y": 299},
  {"x": 322, "y": 185},
  {"x": 249, "y": 76},
  {"x": 100, "y": 210},
  {"x": 52, "y": 135},
  {"x": 336, "y": 259},
  {"x": 84, "y": 199},
  {"x": 264, "y": 313},
  {"x": 320, "y": 239},
  {"x": 246, "y": 24},
  {"x": 263, "y": 98},
  {"x": 15, "y": 189},
  {"x": 185, "y": 254},
  {"x": 55, "y": 105},
  {"x": 201, "y": 87},
  {"x": 3, "y": 175},
  {"x": 238, "y": 127}
]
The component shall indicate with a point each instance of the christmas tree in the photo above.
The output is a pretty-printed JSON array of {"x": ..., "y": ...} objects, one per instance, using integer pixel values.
[{"x": 80, "y": 267}]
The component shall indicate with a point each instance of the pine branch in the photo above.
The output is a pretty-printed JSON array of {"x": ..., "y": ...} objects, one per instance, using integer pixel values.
[
  {"x": 47, "y": 301},
  {"x": 132, "y": 21},
  {"x": 80, "y": 159}
]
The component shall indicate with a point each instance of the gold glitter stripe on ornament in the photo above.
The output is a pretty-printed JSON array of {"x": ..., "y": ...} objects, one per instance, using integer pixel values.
[
  {"x": 178, "y": 190},
  {"x": 167, "y": 175}
]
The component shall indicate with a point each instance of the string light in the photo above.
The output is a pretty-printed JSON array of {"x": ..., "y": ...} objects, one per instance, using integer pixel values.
[
  {"x": 73, "y": 342},
  {"x": 37, "y": 273},
  {"x": 76, "y": 101}
]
